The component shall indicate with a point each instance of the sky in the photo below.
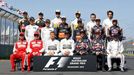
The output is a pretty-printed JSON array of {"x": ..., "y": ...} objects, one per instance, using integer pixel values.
[{"x": 123, "y": 10}]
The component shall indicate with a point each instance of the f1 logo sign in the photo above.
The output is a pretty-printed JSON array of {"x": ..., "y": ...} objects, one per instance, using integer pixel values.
[
  {"x": 51, "y": 61},
  {"x": 62, "y": 61}
]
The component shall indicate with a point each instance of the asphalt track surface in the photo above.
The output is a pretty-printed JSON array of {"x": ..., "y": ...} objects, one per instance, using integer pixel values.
[{"x": 5, "y": 70}]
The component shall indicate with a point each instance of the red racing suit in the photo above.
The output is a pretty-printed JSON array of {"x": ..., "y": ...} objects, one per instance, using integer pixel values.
[
  {"x": 35, "y": 49},
  {"x": 19, "y": 52}
]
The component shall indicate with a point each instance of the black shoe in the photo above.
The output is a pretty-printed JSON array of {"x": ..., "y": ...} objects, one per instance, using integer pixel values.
[
  {"x": 103, "y": 70},
  {"x": 118, "y": 68}
]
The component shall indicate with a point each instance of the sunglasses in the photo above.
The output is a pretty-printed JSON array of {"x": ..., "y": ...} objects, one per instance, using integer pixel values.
[
  {"x": 57, "y": 13},
  {"x": 48, "y": 22},
  {"x": 21, "y": 35},
  {"x": 36, "y": 35}
]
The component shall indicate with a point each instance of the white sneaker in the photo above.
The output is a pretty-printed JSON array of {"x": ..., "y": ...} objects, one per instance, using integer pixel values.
[
  {"x": 121, "y": 69},
  {"x": 109, "y": 69}
]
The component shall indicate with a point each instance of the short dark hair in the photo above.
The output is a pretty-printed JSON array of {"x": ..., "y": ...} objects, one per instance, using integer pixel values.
[
  {"x": 79, "y": 20},
  {"x": 47, "y": 21},
  {"x": 40, "y": 14},
  {"x": 110, "y": 12},
  {"x": 115, "y": 20},
  {"x": 98, "y": 20},
  {"x": 93, "y": 14},
  {"x": 52, "y": 32},
  {"x": 31, "y": 19},
  {"x": 25, "y": 13}
]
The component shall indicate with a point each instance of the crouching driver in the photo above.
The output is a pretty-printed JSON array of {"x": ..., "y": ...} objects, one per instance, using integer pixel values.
[
  {"x": 35, "y": 48},
  {"x": 115, "y": 50},
  {"x": 19, "y": 52},
  {"x": 81, "y": 45}
]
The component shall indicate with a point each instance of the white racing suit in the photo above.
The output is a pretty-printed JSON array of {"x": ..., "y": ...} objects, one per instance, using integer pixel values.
[
  {"x": 107, "y": 23},
  {"x": 29, "y": 32},
  {"x": 89, "y": 26},
  {"x": 66, "y": 45},
  {"x": 114, "y": 50},
  {"x": 56, "y": 22},
  {"x": 52, "y": 46},
  {"x": 45, "y": 33}
]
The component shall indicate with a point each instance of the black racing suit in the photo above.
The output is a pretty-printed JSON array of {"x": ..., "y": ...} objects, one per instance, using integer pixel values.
[
  {"x": 23, "y": 22},
  {"x": 98, "y": 45},
  {"x": 82, "y": 46},
  {"x": 64, "y": 27},
  {"x": 97, "y": 30},
  {"x": 40, "y": 23},
  {"x": 79, "y": 29}
]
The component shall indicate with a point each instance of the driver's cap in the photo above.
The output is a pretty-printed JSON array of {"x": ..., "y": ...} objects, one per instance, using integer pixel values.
[{"x": 57, "y": 11}]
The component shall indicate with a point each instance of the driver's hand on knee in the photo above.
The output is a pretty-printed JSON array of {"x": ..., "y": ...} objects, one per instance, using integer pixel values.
[
  {"x": 66, "y": 53},
  {"x": 97, "y": 53}
]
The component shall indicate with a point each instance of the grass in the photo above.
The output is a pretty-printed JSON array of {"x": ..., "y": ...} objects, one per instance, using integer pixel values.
[{"x": 129, "y": 54}]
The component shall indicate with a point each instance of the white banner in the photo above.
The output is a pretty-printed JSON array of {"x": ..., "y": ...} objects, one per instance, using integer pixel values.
[{"x": 4, "y": 4}]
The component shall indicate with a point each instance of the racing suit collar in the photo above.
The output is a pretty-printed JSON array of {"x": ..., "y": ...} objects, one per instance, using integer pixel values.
[
  {"x": 52, "y": 39},
  {"x": 48, "y": 27},
  {"x": 92, "y": 21},
  {"x": 40, "y": 19},
  {"x": 67, "y": 38},
  {"x": 25, "y": 18},
  {"x": 115, "y": 26},
  {"x": 110, "y": 19},
  {"x": 21, "y": 40},
  {"x": 97, "y": 25},
  {"x": 58, "y": 17},
  {"x": 32, "y": 24}
]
